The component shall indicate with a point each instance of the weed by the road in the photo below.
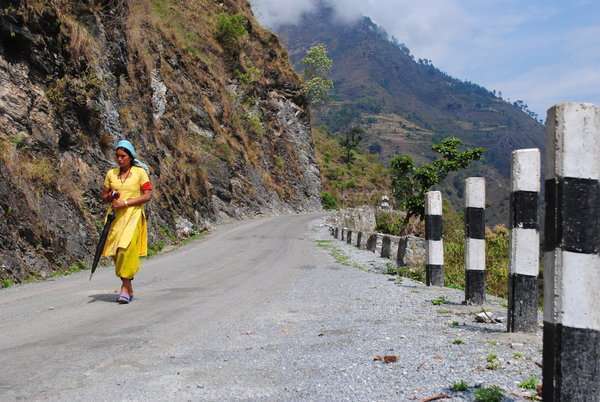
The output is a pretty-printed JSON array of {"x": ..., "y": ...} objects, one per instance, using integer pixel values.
[
  {"x": 518, "y": 355},
  {"x": 489, "y": 394},
  {"x": 337, "y": 253},
  {"x": 156, "y": 248},
  {"x": 454, "y": 324},
  {"x": 439, "y": 301},
  {"x": 71, "y": 269},
  {"x": 458, "y": 341},
  {"x": 391, "y": 269},
  {"x": 323, "y": 243},
  {"x": 6, "y": 283},
  {"x": 492, "y": 362},
  {"x": 530, "y": 383},
  {"x": 460, "y": 386}
]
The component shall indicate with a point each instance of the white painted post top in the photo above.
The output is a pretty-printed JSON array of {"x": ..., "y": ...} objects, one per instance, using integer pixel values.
[
  {"x": 475, "y": 192},
  {"x": 525, "y": 174},
  {"x": 573, "y": 141},
  {"x": 433, "y": 203}
]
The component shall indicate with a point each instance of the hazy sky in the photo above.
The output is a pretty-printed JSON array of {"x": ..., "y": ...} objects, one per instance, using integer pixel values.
[{"x": 540, "y": 51}]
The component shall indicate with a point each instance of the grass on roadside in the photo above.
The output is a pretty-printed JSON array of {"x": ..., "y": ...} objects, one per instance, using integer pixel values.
[
  {"x": 489, "y": 394},
  {"x": 337, "y": 253},
  {"x": 459, "y": 386}
]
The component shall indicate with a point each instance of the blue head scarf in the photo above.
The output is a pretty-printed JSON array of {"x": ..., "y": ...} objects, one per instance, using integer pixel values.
[{"x": 131, "y": 149}]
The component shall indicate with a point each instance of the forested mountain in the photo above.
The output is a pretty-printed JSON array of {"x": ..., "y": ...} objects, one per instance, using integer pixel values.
[{"x": 405, "y": 104}]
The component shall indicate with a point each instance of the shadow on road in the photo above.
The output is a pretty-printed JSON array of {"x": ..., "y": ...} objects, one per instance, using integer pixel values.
[{"x": 103, "y": 297}]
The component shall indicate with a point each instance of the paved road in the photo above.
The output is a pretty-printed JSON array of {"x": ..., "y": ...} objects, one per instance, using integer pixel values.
[
  {"x": 255, "y": 311},
  {"x": 67, "y": 338}
]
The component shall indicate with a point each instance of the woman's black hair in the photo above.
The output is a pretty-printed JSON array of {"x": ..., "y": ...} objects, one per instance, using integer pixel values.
[{"x": 128, "y": 153}]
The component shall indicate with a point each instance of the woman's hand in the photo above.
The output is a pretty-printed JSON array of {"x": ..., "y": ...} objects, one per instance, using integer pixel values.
[
  {"x": 118, "y": 204},
  {"x": 108, "y": 195}
]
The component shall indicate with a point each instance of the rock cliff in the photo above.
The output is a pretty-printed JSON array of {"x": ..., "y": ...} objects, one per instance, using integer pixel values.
[{"x": 221, "y": 121}]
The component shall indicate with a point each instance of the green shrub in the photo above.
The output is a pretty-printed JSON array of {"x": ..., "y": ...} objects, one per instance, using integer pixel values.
[
  {"x": 489, "y": 394},
  {"x": 328, "y": 200},
  {"x": 390, "y": 222},
  {"x": 6, "y": 283},
  {"x": 530, "y": 383},
  {"x": 492, "y": 362},
  {"x": 460, "y": 386},
  {"x": 254, "y": 123},
  {"x": 439, "y": 301},
  {"x": 230, "y": 30},
  {"x": 249, "y": 77}
]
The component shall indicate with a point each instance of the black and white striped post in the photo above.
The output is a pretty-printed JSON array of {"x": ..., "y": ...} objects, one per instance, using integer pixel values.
[
  {"x": 434, "y": 271},
  {"x": 475, "y": 240},
  {"x": 524, "y": 241},
  {"x": 572, "y": 254}
]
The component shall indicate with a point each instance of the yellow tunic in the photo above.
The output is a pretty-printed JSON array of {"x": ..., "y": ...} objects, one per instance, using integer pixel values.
[{"x": 128, "y": 236}]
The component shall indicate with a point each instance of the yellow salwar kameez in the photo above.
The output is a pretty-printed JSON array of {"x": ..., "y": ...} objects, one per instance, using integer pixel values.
[{"x": 127, "y": 239}]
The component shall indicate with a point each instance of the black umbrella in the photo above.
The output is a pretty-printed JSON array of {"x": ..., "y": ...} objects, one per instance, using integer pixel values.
[{"x": 102, "y": 241}]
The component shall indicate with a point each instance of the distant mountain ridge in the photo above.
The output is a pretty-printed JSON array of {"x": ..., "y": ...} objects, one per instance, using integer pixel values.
[{"x": 406, "y": 104}]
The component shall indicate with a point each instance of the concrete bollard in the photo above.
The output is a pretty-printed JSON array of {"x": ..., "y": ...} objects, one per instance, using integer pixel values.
[
  {"x": 386, "y": 245},
  {"x": 349, "y": 236},
  {"x": 571, "y": 357},
  {"x": 372, "y": 242},
  {"x": 359, "y": 237},
  {"x": 524, "y": 241},
  {"x": 434, "y": 270},
  {"x": 475, "y": 241}
]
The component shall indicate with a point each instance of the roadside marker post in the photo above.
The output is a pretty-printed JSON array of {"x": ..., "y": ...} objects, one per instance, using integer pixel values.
[
  {"x": 524, "y": 241},
  {"x": 571, "y": 356},
  {"x": 475, "y": 240},
  {"x": 434, "y": 270}
]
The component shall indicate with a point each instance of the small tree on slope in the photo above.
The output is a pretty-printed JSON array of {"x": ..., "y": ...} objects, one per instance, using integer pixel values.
[
  {"x": 410, "y": 183},
  {"x": 317, "y": 66}
]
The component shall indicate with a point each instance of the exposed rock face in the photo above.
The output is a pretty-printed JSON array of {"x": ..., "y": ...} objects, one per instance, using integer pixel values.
[{"x": 75, "y": 77}]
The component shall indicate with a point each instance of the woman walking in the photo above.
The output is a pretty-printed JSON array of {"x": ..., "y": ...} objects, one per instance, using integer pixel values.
[{"x": 127, "y": 187}]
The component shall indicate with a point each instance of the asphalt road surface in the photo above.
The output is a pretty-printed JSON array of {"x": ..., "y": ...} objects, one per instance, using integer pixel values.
[{"x": 257, "y": 310}]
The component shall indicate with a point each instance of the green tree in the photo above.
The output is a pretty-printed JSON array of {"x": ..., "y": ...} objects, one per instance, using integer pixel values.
[
  {"x": 410, "y": 183},
  {"x": 317, "y": 66},
  {"x": 351, "y": 141}
]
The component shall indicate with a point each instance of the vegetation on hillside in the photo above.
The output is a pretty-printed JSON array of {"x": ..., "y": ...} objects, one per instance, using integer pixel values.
[
  {"x": 410, "y": 183},
  {"x": 363, "y": 181}
]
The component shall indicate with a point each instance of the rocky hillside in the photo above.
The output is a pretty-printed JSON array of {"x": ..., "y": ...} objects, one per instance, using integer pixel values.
[
  {"x": 406, "y": 104},
  {"x": 216, "y": 112}
]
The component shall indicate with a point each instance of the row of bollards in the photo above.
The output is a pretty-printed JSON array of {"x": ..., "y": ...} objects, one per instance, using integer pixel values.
[{"x": 571, "y": 353}]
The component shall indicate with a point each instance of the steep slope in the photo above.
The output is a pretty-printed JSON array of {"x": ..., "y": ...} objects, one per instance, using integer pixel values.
[
  {"x": 222, "y": 123},
  {"x": 407, "y": 104}
]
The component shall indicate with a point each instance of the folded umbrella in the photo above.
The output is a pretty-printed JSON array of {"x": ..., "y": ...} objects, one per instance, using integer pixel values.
[{"x": 102, "y": 241}]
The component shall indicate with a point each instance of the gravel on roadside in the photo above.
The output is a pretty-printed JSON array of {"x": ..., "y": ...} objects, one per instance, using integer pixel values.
[{"x": 320, "y": 340}]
